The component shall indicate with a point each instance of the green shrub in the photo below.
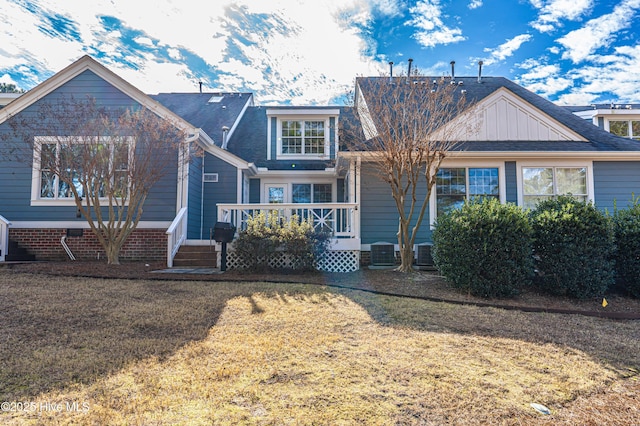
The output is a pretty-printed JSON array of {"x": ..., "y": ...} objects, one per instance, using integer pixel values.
[
  {"x": 485, "y": 248},
  {"x": 574, "y": 247},
  {"x": 627, "y": 234},
  {"x": 267, "y": 237}
]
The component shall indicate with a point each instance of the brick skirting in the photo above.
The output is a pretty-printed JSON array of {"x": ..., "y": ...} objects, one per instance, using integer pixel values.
[{"x": 142, "y": 244}]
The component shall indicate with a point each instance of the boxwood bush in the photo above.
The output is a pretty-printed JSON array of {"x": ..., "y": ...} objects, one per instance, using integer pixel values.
[
  {"x": 267, "y": 237},
  {"x": 573, "y": 243},
  {"x": 627, "y": 234},
  {"x": 485, "y": 248}
]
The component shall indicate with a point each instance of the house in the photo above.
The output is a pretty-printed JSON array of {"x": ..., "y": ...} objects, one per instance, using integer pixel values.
[{"x": 524, "y": 149}]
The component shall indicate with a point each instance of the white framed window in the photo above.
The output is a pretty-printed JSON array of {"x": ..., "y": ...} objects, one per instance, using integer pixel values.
[
  {"x": 302, "y": 137},
  {"x": 454, "y": 185},
  {"x": 54, "y": 156},
  {"x": 625, "y": 128},
  {"x": 463, "y": 179},
  {"x": 542, "y": 183}
]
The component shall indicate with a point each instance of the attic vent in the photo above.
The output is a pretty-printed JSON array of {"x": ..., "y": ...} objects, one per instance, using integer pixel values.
[
  {"x": 424, "y": 258},
  {"x": 382, "y": 254},
  {"x": 215, "y": 99},
  {"x": 210, "y": 177}
]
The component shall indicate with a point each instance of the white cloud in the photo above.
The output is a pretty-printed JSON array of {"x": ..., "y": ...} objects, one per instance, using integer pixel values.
[
  {"x": 506, "y": 49},
  {"x": 432, "y": 31},
  {"x": 307, "y": 49},
  {"x": 598, "y": 32},
  {"x": 474, "y": 4},
  {"x": 553, "y": 11}
]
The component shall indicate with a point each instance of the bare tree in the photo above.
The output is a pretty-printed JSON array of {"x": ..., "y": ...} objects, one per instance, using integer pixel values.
[
  {"x": 409, "y": 126},
  {"x": 105, "y": 160}
]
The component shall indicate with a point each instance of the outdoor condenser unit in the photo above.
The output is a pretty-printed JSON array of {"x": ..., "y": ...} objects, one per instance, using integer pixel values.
[
  {"x": 424, "y": 258},
  {"x": 382, "y": 254}
]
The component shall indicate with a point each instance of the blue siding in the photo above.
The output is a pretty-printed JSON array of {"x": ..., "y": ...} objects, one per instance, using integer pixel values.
[
  {"x": 332, "y": 137},
  {"x": 254, "y": 191},
  {"x": 614, "y": 183},
  {"x": 160, "y": 205},
  {"x": 511, "y": 181},
  {"x": 378, "y": 215},
  {"x": 194, "y": 199},
  {"x": 274, "y": 138},
  {"x": 224, "y": 191},
  {"x": 341, "y": 191}
]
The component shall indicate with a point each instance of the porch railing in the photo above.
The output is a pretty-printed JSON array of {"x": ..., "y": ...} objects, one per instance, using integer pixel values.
[
  {"x": 4, "y": 237},
  {"x": 176, "y": 235},
  {"x": 340, "y": 219}
]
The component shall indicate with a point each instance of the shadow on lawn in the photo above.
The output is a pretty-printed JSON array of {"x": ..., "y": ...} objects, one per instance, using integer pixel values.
[{"x": 58, "y": 331}]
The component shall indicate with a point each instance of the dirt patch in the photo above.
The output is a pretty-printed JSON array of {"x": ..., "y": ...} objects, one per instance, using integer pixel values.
[{"x": 423, "y": 284}]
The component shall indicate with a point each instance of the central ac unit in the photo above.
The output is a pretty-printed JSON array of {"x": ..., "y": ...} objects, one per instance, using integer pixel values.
[
  {"x": 382, "y": 254},
  {"x": 424, "y": 260}
]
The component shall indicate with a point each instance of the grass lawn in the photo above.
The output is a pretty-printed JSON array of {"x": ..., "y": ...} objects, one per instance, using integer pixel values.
[{"x": 106, "y": 351}]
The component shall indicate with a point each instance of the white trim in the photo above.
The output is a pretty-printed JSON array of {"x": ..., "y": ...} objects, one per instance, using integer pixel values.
[
  {"x": 290, "y": 174},
  {"x": 64, "y": 224},
  {"x": 289, "y": 187},
  {"x": 36, "y": 167},
  {"x": 570, "y": 163},
  {"x": 313, "y": 112},
  {"x": 302, "y": 156},
  {"x": 513, "y": 155}
]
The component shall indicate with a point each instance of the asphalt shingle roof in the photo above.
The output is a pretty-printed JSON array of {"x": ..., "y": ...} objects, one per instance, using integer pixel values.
[
  {"x": 209, "y": 116},
  {"x": 598, "y": 139}
]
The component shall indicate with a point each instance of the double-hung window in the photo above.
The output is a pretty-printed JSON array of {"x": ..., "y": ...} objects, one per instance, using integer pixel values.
[
  {"x": 303, "y": 137},
  {"x": 455, "y": 185},
  {"x": 542, "y": 183},
  {"x": 625, "y": 128},
  {"x": 62, "y": 165}
]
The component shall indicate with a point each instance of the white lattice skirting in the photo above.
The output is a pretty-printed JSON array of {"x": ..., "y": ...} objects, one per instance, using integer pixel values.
[{"x": 334, "y": 261}]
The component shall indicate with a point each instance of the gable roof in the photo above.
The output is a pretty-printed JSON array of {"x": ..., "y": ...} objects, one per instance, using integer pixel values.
[
  {"x": 78, "y": 67},
  {"x": 586, "y": 136},
  {"x": 87, "y": 63}
]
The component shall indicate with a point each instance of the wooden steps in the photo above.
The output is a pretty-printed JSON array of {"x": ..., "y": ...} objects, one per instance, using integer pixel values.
[
  {"x": 17, "y": 253},
  {"x": 204, "y": 256}
]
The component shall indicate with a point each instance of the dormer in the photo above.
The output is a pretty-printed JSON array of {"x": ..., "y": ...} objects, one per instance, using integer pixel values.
[
  {"x": 306, "y": 133},
  {"x": 619, "y": 119}
]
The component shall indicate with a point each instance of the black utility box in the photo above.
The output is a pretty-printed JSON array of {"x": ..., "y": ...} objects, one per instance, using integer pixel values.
[{"x": 223, "y": 232}]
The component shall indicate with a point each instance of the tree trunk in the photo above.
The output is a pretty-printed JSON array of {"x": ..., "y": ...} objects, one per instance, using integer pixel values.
[
  {"x": 113, "y": 254},
  {"x": 406, "y": 258}
]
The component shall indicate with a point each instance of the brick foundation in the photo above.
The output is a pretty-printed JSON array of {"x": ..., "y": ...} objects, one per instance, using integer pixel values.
[{"x": 142, "y": 244}]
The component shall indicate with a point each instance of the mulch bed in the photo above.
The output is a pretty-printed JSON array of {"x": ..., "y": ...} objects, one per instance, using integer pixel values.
[{"x": 424, "y": 284}]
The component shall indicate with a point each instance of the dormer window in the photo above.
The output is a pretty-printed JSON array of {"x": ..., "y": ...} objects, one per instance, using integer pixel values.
[
  {"x": 302, "y": 133},
  {"x": 625, "y": 128},
  {"x": 302, "y": 137}
]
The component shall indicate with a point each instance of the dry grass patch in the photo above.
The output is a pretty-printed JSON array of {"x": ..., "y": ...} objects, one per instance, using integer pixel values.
[{"x": 288, "y": 354}]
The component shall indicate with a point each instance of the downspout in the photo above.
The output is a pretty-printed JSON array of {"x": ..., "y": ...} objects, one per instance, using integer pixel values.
[{"x": 204, "y": 156}]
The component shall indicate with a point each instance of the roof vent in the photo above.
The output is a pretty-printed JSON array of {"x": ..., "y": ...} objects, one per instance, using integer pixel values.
[
  {"x": 480, "y": 71},
  {"x": 215, "y": 99}
]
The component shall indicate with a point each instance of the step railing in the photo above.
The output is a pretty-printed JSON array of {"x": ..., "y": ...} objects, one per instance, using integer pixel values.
[
  {"x": 4, "y": 237},
  {"x": 176, "y": 235}
]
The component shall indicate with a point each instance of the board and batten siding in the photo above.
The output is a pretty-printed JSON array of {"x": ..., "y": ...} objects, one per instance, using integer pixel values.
[
  {"x": 15, "y": 176},
  {"x": 378, "y": 213},
  {"x": 615, "y": 182}
]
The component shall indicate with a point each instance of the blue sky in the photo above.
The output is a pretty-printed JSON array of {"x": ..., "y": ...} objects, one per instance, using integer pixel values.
[{"x": 305, "y": 52}]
